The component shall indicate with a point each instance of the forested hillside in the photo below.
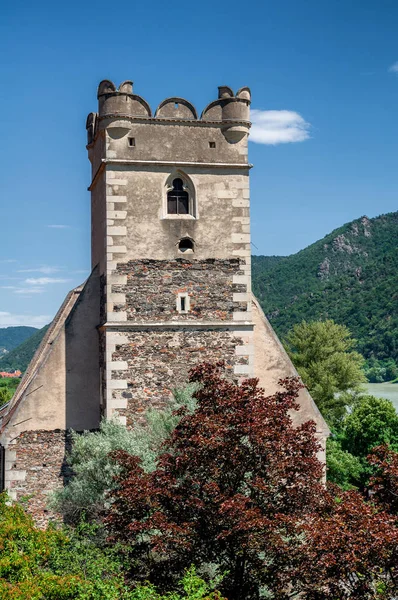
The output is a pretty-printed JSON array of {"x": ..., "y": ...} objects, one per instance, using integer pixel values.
[
  {"x": 20, "y": 357},
  {"x": 351, "y": 276},
  {"x": 11, "y": 337}
]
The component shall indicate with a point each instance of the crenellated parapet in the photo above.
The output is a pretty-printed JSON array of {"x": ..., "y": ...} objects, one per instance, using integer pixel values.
[{"x": 117, "y": 107}]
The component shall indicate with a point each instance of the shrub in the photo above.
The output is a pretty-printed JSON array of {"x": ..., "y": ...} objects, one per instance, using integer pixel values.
[{"x": 50, "y": 564}]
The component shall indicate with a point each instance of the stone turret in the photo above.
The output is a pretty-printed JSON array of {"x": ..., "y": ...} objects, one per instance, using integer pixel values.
[{"x": 116, "y": 106}]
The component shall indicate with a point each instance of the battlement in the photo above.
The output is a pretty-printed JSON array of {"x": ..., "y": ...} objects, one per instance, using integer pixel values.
[{"x": 231, "y": 111}]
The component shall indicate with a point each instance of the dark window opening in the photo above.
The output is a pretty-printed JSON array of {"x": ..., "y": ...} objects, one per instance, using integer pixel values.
[
  {"x": 185, "y": 244},
  {"x": 178, "y": 199},
  {"x": 131, "y": 141},
  {"x": 182, "y": 305},
  {"x": 212, "y": 144}
]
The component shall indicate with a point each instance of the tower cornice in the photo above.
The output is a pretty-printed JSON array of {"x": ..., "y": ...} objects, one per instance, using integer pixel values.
[{"x": 165, "y": 163}]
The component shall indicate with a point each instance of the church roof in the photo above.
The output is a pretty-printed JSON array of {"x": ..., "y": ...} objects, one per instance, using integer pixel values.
[{"x": 40, "y": 356}]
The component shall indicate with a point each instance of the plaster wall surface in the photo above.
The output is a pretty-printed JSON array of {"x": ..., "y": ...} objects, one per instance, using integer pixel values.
[
  {"x": 61, "y": 391},
  {"x": 222, "y": 210},
  {"x": 271, "y": 363},
  {"x": 171, "y": 141}
]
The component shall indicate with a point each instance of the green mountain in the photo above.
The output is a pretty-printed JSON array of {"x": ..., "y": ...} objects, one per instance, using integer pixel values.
[
  {"x": 11, "y": 337},
  {"x": 351, "y": 276},
  {"x": 20, "y": 357}
]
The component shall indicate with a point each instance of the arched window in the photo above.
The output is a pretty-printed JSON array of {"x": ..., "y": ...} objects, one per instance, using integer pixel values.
[{"x": 178, "y": 199}]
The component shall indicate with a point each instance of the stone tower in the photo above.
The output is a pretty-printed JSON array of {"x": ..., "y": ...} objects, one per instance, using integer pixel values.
[
  {"x": 171, "y": 233},
  {"x": 169, "y": 287}
]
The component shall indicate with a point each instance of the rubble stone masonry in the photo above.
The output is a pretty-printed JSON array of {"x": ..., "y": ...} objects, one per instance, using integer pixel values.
[
  {"x": 156, "y": 362},
  {"x": 36, "y": 466},
  {"x": 152, "y": 287}
]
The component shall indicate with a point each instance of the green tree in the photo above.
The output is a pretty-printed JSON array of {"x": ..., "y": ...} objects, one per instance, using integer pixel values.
[
  {"x": 5, "y": 395},
  {"x": 343, "y": 468},
  {"x": 372, "y": 422},
  {"x": 322, "y": 352},
  {"x": 93, "y": 467}
]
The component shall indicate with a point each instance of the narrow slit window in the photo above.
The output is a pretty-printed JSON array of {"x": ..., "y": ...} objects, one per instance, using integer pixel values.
[
  {"x": 175, "y": 104},
  {"x": 132, "y": 142},
  {"x": 183, "y": 303}
]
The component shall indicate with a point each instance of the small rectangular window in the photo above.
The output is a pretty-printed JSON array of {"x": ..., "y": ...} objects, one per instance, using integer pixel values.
[
  {"x": 131, "y": 141},
  {"x": 212, "y": 144},
  {"x": 183, "y": 303}
]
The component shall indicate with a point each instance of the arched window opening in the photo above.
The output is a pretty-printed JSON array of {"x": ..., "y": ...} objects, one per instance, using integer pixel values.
[
  {"x": 178, "y": 199},
  {"x": 186, "y": 245}
]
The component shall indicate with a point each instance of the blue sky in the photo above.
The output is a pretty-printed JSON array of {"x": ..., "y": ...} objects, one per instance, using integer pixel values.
[{"x": 323, "y": 68}]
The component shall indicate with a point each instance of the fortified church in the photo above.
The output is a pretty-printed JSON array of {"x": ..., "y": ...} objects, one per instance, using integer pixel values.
[{"x": 170, "y": 285}]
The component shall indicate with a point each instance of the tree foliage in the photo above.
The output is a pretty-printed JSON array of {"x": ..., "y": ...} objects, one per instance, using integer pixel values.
[
  {"x": 322, "y": 352},
  {"x": 372, "y": 422},
  {"x": 350, "y": 276},
  {"x": 38, "y": 564},
  {"x": 94, "y": 468},
  {"x": 20, "y": 356},
  {"x": 343, "y": 468},
  {"x": 11, "y": 337},
  {"x": 384, "y": 483},
  {"x": 69, "y": 564},
  {"x": 8, "y": 386},
  {"x": 234, "y": 477},
  {"x": 237, "y": 490}
]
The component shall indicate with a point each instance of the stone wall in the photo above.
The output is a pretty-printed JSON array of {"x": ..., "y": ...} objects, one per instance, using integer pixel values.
[
  {"x": 35, "y": 462},
  {"x": 152, "y": 287},
  {"x": 155, "y": 362}
]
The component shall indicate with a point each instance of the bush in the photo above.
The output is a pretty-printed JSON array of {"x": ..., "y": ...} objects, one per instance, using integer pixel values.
[
  {"x": 52, "y": 564},
  {"x": 194, "y": 588}
]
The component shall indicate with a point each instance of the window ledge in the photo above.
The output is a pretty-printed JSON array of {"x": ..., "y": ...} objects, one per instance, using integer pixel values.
[{"x": 180, "y": 217}]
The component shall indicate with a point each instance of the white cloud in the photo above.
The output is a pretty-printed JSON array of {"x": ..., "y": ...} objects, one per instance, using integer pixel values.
[
  {"x": 8, "y": 260},
  {"x": 29, "y": 290},
  {"x": 278, "y": 127},
  {"x": 10, "y": 320},
  {"x": 8, "y": 287},
  {"x": 45, "y": 270},
  {"x": 45, "y": 280},
  {"x": 59, "y": 226},
  {"x": 394, "y": 68}
]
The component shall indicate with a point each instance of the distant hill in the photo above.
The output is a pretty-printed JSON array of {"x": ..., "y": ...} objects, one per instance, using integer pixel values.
[
  {"x": 20, "y": 357},
  {"x": 11, "y": 337},
  {"x": 351, "y": 276}
]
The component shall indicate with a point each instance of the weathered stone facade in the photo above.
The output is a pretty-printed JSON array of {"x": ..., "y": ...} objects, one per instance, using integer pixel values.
[
  {"x": 39, "y": 458},
  {"x": 153, "y": 286},
  {"x": 170, "y": 286},
  {"x": 159, "y": 361}
]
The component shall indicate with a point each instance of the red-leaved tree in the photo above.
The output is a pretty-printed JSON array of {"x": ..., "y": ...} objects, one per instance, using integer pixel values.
[
  {"x": 238, "y": 489},
  {"x": 384, "y": 483}
]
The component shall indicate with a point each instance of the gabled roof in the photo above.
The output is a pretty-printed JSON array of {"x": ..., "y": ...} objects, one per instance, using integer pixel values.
[{"x": 40, "y": 356}]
